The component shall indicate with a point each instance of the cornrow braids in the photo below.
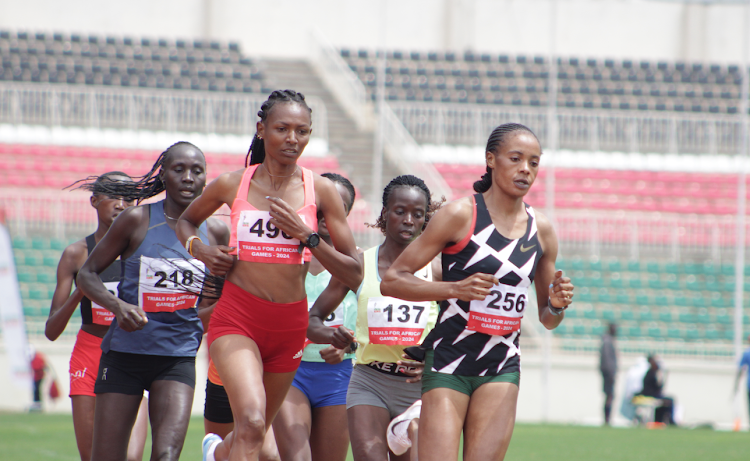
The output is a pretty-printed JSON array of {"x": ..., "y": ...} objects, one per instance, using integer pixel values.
[
  {"x": 146, "y": 186},
  {"x": 407, "y": 180},
  {"x": 337, "y": 178},
  {"x": 498, "y": 136},
  {"x": 257, "y": 152},
  {"x": 98, "y": 187}
]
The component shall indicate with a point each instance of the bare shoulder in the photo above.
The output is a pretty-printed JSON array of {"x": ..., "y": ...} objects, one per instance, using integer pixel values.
[
  {"x": 462, "y": 208},
  {"x": 543, "y": 224},
  {"x": 229, "y": 180},
  {"x": 323, "y": 184},
  {"x": 131, "y": 217},
  {"x": 75, "y": 254}
]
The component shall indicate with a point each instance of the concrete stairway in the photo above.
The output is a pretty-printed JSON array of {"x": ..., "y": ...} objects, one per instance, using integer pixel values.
[{"x": 353, "y": 148}]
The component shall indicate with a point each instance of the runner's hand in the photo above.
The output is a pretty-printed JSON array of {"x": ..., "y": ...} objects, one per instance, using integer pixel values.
[
  {"x": 561, "y": 291},
  {"x": 416, "y": 373},
  {"x": 342, "y": 337},
  {"x": 286, "y": 218},
  {"x": 332, "y": 355},
  {"x": 130, "y": 317},
  {"x": 216, "y": 257},
  {"x": 477, "y": 286}
]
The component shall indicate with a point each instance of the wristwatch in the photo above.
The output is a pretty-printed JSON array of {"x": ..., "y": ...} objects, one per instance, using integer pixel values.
[{"x": 313, "y": 240}]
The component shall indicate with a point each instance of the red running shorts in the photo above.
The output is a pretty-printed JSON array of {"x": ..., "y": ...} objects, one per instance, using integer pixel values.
[
  {"x": 279, "y": 330},
  {"x": 84, "y": 364}
]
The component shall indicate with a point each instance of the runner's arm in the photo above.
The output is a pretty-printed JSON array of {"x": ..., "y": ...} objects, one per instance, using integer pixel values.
[
  {"x": 399, "y": 280},
  {"x": 326, "y": 303},
  {"x": 114, "y": 243},
  {"x": 552, "y": 287},
  {"x": 341, "y": 260},
  {"x": 216, "y": 257},
  {"x": 64, "y": 303},
  {"x": 218, "y": 234}
]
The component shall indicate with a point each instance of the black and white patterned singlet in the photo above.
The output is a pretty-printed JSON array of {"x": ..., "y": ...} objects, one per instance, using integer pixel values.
[{"x": 480, "y": 338}]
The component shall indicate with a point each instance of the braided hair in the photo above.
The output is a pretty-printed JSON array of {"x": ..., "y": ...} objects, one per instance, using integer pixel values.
[
  {"x": 499, "y": 136},
  {"x": 257, "y": 152},
  {"x": 98, "y": 187},
  {"x": 337, "y": 178},
  {"x": 406, "y": 180},
  {"x": 147, "y": 186}
]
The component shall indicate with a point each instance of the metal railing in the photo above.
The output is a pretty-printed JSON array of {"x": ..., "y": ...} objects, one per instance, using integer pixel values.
[
  {"x": 341, "y": 81},
  {"x": 580, "y": 129},
  {"x": 136, "y": 108},
  {"x": 408, "y": 156}
]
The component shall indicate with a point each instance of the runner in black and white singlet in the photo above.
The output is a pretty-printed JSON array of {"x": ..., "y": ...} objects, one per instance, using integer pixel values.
[{"x": 494, "y": 246}]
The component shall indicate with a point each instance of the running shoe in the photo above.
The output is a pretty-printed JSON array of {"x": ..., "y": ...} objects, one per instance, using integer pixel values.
[
  {"x": 209, "y": 445},
  {"x": 398, "y": 434}
]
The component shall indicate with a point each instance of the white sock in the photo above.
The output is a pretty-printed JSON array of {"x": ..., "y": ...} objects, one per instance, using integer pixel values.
[{"x": 211, "y": 450}]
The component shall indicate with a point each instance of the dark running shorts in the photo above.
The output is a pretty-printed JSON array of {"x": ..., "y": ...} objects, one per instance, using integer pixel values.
[
  {"x": 464, "y": 384},
  {"x": 217, "y": 408},
  {"x": 609, "y": 384},
  {"x": 131, "y": 374}
]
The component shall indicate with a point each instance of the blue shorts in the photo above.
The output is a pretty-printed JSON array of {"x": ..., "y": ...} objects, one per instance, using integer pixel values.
[{"x": 323, "y": 384}]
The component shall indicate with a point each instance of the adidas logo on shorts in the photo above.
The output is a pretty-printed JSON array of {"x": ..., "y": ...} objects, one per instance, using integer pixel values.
[{"x": 298, "y": 354}]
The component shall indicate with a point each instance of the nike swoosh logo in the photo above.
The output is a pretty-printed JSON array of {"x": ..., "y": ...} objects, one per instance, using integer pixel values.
[{"x": 524, "y": 250}]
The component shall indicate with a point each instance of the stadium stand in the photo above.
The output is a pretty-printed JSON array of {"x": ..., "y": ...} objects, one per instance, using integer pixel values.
[
  {"x": 669, "y": 192},
  {"x": 522, "y": 81},
  {"x": 127, "y": 61}
]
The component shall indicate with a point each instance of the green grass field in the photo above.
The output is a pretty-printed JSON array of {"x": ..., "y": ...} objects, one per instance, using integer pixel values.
[{"x": 32, "y": 437}]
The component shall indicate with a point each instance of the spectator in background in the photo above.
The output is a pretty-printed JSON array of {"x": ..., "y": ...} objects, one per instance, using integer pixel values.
[
  {"x": 38, "y": 368},
  {"x": 608, "y": 368},
  {"x": 653, "y": 386},
  {"x": 744, "y": 366}
]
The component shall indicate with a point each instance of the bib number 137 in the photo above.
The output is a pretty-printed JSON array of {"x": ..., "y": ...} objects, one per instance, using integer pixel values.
[{"x": 395, "y": 321}]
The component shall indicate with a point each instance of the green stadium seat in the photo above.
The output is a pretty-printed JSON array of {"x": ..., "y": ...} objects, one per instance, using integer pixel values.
[
  {"x": 656, "y": 284},
  {"x": 603, "y": 296},
  {"x": 665, "y": 316},
  {"x": 608, "y": 315},
  {"x": 614, "y": 265},
  {"x": 577, "y": 264},
  {"x": 675, "y": 333},
  {"x": 33, "y": 259},
  {"x": 729, "y": 334},
  {"x": 635, "y": 283},
  {"x": 584, "y": 296},
  {"x": 641, "y": 299},
  {"x": 623, "y": 297},
  {"x": 46, "y": 277},
  {"x": 597, "y": 330},
  {"x": 724, "y": 319},
  {"x": 673, "y": 284},
  {"x": 672, "y": 268},
  {"x": 645, "y": 315},
  {"x": 680, "y": 300},
  {"x": 634, "y": 332},
  {"x": 595, "y": 265},
  {"x": 727, "y": 269},
  {"x": 573, "y": 312},
  {"x": 728, "y": 286},
  {"x": 692, "y": 333},
  {"x": 687, "y": 317},
  {"x": 57, "y": 244},
  {"x": 36, "y": 293},
  {"x": 661, "y": 300},
  {"x": 695, "y": 285},
  {"x": 40, "y": 244},
  {"x": 634, "y": 266},
  {"x": 589, "y": 314},
  {"x": 616, "y": 282},
  {"x": 655, "y": 332},
  {"x": 596, "y": 280},
  {"x": 626, "y": 314},
  {"x": 704, "y": 318},
  {"x": 579, "y": 330},
  {"x": 698, "y": 301},
  {"x": 21, "y": 243},
  {"x": 26, "y": 277},
  {"x": 717, "y": 301},
  {"x": 709, "y": 268},
  {"x": 653, "y": 267},
  {"x": 30, "y": 311},
  {"x": 691, "y": 268},
  {"x": 50, "y": 261}
]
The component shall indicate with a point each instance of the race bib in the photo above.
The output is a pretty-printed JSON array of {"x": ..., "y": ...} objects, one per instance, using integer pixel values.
[
  {"x": 169, "y": 285},
  {"x": 260, "y": 241},
  {"x": 393, "y": 321},
  {"x": 335, "y": 320},
  {"x": 100, "y": 315},
  {"x": 500, "y": 313}
]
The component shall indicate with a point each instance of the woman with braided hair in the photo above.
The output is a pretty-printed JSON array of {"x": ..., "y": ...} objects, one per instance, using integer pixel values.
[
  {"x": 95, "y": 320},
  {"x": 257, "y": 330},
  {"x": 382, "y": 385},
  {"x": 152, "y": 341},
  {"x": 493, "y": 247}
]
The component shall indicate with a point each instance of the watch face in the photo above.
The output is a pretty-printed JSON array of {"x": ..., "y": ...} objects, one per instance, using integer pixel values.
[{"x": 313, "y": 240}]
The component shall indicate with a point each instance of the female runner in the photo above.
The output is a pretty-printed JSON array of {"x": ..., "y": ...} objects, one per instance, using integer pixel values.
[
  {"x": 84, "y": 362},
  {"x": 493, "y": 247},
  {"x": 152, "y": 342},
  {"x": 258, "y": 327},
  {"x": 382, "y": 385},
  {"x": 312, "y": 423}
]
